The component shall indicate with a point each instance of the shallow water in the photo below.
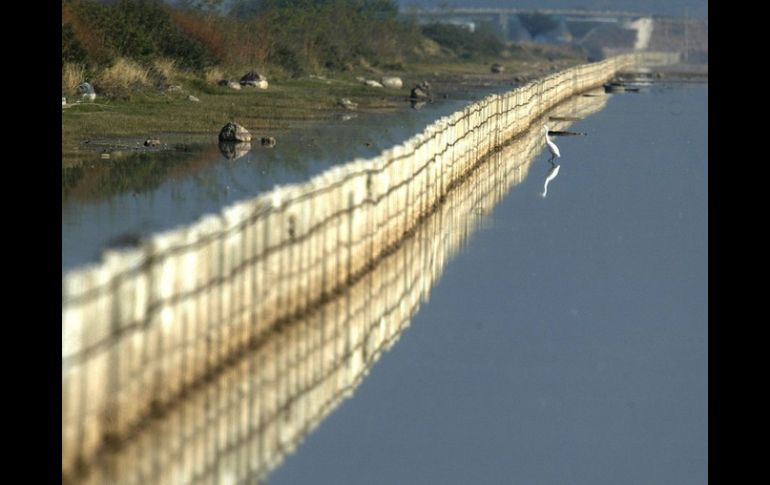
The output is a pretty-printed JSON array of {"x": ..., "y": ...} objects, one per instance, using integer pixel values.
[
  {"x": 567, "y": 341},
  {"x": 120, "y": 200}
]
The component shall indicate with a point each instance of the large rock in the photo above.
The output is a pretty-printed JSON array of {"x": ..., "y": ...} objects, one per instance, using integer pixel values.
[
  {"x": 234, "y": 132},
  {"x": 422, "y": 91},
  {"x": 392, "y": 82},
  {"x": 233, "y": 85},
  {"x": 261, "y": 84},
  {"x": 252, "y": 76}
]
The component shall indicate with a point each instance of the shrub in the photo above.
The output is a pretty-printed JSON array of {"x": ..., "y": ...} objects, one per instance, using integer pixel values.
[{"x": 121, "y": 78}]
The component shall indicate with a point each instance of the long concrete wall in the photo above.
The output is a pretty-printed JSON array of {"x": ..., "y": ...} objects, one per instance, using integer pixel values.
[{"x": 153, "y": 338}]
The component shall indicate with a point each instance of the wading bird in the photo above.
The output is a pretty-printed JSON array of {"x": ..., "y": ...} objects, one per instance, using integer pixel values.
[{"x": 551, "y": 146}]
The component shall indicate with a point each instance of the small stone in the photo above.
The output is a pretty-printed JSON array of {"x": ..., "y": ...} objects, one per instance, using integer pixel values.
[
  {"x": 268, "y": 141},
  {"x": 348, "y": 104},
  {"x": 152, "y": 142},
  {"x": 193, "y": 98},
  {"x": 373, "y": 83},
  {"x": 497, "y": 68}
]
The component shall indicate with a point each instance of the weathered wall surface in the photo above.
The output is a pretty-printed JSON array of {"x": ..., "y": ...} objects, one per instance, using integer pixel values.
[{"x": 227, "y": 340}]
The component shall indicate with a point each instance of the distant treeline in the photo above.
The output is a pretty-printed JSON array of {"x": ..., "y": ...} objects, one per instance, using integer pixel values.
[{"x": 291, "y": 36}]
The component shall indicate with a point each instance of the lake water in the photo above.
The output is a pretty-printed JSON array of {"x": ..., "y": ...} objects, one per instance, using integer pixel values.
[
  {"x": 567, "y": 341},
  {"x": 564, "y": 342},
  {"x": 109, "y": 200}
]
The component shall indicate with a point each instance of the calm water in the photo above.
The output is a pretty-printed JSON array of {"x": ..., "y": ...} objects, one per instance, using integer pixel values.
[
  {"x": 567, "y": 342},
  {"x": 116, "y": 199}
]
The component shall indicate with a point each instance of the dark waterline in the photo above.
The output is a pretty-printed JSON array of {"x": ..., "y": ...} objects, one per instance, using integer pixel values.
[{"x": 567, "y": 342}]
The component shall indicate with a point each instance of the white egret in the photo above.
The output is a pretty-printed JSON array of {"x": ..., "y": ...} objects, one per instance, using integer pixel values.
[
  {"x": 551, "y": 145},
  {"x": 552, "y": 173}
]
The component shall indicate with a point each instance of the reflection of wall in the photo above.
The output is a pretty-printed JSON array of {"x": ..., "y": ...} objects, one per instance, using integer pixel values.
[
  {"x": 257, "y": 407},
  {"x": 171, "y": 342}
]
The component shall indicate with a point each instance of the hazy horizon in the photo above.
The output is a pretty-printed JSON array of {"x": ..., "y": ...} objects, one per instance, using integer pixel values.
[{"x": 675, "y": 8}]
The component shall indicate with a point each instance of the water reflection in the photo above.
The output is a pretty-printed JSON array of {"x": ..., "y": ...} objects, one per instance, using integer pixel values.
[
  {"x": 232, "y": 150},
  {"x": 131, "y": 172},
  {"x": 552, "y": 173},
  {"x": 241, "y": 419}
]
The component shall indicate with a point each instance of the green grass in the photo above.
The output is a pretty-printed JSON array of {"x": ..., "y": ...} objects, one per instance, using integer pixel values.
[{"x": 286, "y": 103}]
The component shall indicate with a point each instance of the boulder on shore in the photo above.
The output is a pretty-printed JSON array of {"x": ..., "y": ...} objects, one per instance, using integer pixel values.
[
  {"x": 234, "y": 132},
  {"x": 392, "y": 82},
  {"x": 422, "y": 91}
]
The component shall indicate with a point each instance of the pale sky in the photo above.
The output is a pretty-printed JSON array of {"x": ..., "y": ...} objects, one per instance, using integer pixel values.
[{"x": 694, "y": 8}]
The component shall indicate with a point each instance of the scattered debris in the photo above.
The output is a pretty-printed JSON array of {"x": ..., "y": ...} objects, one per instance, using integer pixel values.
[
  {"x": 268, "y": 141},
  {"x": 392, "y": 82},
  {"x": 234, "y": 132},
  {"x": 497, "y": 68}
]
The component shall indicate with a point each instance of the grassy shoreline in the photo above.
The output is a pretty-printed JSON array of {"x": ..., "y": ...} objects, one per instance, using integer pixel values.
[{"x": 92, "y": 127}]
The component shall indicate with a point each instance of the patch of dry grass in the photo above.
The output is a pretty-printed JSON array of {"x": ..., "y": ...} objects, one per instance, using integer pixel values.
[
  {"x": 71, "y": 76},
  {"x": 213, "y": 75},
  {"x": 121, "y": 78},
  {"x": 163, "y": 71}
]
